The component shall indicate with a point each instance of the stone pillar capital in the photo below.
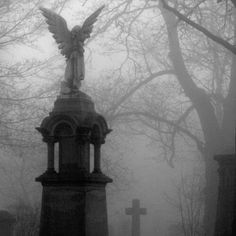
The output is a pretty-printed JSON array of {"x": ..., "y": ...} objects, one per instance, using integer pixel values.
[{"x": 50, "y": 139}]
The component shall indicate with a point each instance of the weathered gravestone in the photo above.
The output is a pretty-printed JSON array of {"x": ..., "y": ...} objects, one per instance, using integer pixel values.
[
  {"x": 135, "y": 212},
  {"x": 74, "y": 197},
  {"x": 7, "y": 222}
]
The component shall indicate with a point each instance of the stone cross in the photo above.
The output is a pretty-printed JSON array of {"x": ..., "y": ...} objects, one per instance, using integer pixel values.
[{"x": 135, "y": 212}]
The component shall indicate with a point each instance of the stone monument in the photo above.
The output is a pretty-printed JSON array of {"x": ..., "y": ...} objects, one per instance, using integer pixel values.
[
  {"x": 74, "y": 197},
  {"x": 226, "y": 205},
  {"x": 7, "y": 222},
  {"x": 136, "y": 212}
]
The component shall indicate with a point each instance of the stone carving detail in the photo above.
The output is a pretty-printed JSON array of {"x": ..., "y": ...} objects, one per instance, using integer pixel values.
[{"x": 71, "y": 44}]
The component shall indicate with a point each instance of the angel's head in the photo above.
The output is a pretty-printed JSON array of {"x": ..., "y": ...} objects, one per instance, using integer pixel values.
[{"x": 75, "y": 31}]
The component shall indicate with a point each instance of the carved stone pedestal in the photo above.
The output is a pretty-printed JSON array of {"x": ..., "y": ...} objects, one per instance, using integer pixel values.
[
  {"x": 77, "y": 208},
  {"x": 74, "y": 196}
]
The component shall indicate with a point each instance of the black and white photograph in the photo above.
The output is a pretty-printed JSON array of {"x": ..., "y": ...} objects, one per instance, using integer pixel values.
[{"x": 117, "y": 117}]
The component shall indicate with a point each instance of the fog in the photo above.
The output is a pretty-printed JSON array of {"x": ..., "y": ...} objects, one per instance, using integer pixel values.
[{"x": 164, "y": 88}]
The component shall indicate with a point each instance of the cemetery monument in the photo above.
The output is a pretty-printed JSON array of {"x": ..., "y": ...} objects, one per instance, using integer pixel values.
[{"x": 74, "y": 196}]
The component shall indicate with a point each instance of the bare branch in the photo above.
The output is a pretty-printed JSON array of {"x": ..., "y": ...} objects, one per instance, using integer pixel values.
[
  {"x": 172, "y": 123},
  {"x": 210, "y": 35},
  {"x": 138, "y": 86}
]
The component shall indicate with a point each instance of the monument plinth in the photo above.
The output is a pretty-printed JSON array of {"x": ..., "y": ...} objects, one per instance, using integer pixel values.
[{"x": 74, "y": 197}]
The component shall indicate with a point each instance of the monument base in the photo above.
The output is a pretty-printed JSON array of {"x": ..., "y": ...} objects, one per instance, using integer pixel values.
[{"x": 74, "y": 210}]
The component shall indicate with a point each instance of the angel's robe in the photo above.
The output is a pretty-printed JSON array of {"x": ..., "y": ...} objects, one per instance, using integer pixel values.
[{"x": 75, "y": 70}]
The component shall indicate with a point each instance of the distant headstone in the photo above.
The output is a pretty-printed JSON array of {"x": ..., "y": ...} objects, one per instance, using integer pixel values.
[
  {"x": 136, "y": 212},
  {"x": 7, "y": 222}
]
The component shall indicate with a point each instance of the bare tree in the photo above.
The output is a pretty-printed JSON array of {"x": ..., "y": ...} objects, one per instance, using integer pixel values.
[
  {"x": 204, "y": 75},
  {"x": 189, "y": 203}
]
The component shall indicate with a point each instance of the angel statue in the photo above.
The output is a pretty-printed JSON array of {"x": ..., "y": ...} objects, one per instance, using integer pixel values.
[{"x": 71, "y": 44}]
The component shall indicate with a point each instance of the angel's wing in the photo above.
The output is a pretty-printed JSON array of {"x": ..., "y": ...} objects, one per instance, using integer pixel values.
[
  {"x": 88, "y": 23},
  {"x": 58, "y": 27}
]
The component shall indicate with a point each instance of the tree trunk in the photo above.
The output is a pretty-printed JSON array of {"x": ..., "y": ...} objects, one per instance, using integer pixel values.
[
  {"x": 210, "y": 193},
  {"x": 228, "y": 124},
  {"x": 206, "y": 113},
  {"x": 229, "y": 107}
]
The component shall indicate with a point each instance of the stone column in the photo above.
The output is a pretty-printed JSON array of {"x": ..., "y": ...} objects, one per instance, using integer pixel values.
[
  {"x": 97, "y": 158},
  {"x": 83, "y": 143},
  {"x": 7, "y": 222},
  {"x": 51, "y": 155},
  {"x": 226, "y": 205}
]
